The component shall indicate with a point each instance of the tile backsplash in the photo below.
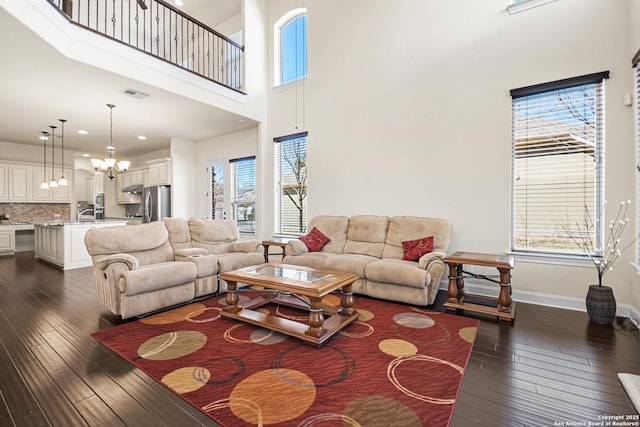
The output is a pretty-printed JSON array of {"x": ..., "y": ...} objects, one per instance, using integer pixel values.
[{"x": 36, "y": 212}]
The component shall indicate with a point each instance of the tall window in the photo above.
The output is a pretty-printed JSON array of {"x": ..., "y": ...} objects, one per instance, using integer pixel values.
[
  {"x": 243, "y": 173},
  {"x": 290, "y": 165},
  {"x": 290, "y": 36},
  {"x": 557, "y": 164}
]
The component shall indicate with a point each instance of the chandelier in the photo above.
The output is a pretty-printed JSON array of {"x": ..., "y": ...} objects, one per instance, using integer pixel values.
[{"x": 110, "y": 166}]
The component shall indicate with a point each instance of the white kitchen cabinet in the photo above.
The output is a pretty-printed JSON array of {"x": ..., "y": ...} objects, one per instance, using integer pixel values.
[
  {"x": 134, "y": 177},
  {"x": 60, "y": 194},
  {"x": 123, "y": 181},
  {"x": 7, "y": 240},
  {"x": 20, "y": 185},
  {"x": 95, "y": 185},
  {"x": 159, "y": 172},
  {"x": 49, "y": 243},
  {"x": 4, "y": 182}
]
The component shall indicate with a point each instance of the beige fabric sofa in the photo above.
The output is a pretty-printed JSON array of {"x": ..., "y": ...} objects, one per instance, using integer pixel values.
[
  {"x": 143, "y": 268},
  {"x": 371, "y": 247}
]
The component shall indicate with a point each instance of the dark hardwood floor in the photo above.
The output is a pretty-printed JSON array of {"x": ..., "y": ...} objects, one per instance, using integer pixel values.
[{"x": 551, "y": 366}]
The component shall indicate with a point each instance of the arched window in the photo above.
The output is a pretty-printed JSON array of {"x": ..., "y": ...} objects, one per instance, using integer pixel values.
[{"x": 290, "y": 38}]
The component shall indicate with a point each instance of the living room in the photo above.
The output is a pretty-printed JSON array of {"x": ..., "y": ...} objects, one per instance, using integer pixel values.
[{"x": 388, "y": 86}]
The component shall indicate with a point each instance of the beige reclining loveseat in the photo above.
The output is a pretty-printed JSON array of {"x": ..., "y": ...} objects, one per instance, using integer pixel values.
[
  {"x": 139, "y": 269},
  {"x": 372, "y": 247}
]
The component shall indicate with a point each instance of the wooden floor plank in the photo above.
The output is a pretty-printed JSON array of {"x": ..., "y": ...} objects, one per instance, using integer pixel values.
[
  {"x": 97, "y": 413},
  {"x": 59, "y": 411}
]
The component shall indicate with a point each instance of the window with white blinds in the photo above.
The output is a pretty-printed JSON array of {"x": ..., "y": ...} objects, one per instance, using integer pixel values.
[
  {"x": 243, "y": 193},
  {"x": 557, "y": 155},
  {"x": 290, "y": 171}
]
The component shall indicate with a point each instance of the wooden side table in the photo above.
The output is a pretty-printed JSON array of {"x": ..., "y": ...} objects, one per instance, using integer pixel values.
[
  {"x": 505, "y": 309},
  {"x": 278, "y": 241}
]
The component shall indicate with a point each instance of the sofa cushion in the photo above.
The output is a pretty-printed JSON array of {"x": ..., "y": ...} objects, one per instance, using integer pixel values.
[
  {"x": 404, "y": 228},
  {"x": 157, "y": 276},
  {"x": 350, "y": 263},
  {"x": 246, "y": 246},
  {"x": 398, "y": 272},
  {"x": 234, "y": 260},
  {"x": 308, "y": 259},
  {"x": 179, "y": 236},
  {"x": 315, "y": 240},
  {"x": 335, "y": 228},
  {"x": 367, "y": 235},
  {"x": 213, "y": 235},
  {"x": 414, "y": 249}
]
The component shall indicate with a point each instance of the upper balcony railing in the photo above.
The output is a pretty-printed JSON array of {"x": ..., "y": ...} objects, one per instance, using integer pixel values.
[{"x": 159, "y": 29}]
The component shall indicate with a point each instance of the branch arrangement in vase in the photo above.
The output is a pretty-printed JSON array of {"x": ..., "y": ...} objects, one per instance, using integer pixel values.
[{"x": 607, "y": 252}]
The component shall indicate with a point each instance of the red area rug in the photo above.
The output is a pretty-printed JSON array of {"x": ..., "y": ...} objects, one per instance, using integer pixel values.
[{"x": 397, "y": 366}]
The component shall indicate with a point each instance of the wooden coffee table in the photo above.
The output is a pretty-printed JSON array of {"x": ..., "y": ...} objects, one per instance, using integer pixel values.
[{"x": 287, "y": 285}]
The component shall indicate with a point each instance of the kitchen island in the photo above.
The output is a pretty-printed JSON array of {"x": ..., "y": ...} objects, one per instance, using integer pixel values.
[{"x": 62, "y": 243}]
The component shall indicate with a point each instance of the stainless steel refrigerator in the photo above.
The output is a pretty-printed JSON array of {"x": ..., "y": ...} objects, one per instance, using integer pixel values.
[{"x": 156, "y": 203}]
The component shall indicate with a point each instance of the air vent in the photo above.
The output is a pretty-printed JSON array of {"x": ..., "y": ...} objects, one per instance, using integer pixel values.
[{"x": 135, "y": 93}]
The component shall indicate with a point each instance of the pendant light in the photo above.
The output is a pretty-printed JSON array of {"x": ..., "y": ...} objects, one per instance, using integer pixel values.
[
  {"x": 62, "y": 181},
  {"x": 53, "y": 183},
  {"x": 43, "y": 138}
]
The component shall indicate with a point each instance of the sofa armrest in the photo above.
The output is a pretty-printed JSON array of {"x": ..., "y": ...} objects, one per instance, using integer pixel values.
[
  {"x": 130, "y": 261},
  {"x": 295, "y": 247},
  {"x": 246, "y": 246},
  {"x": 187, "y": 252},
  {"x": 426, "y": 259}
]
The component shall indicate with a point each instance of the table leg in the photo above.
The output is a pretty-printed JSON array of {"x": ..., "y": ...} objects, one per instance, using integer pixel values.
[
  {"x": 316, "y": 318},
  {"x": 504, "y": 299},
  {"x": 266, "y": 252},
  {"x": 231, "y": 298},
  {"x": 346, "y": 300},
  {"x": 456, "y": 283}
]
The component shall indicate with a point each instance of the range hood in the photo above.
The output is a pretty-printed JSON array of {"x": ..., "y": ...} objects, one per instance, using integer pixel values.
[{"x": 136, "y": 188}]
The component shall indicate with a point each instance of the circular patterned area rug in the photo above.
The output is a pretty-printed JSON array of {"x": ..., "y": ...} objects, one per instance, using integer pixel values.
[{"x": 397, "y": 365}]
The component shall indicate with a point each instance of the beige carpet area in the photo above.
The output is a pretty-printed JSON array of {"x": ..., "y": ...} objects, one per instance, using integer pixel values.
[{"x": 631, "y": 384}]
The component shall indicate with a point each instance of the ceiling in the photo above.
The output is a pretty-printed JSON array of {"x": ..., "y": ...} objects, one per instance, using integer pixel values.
[{"x": 40, "y": 86}]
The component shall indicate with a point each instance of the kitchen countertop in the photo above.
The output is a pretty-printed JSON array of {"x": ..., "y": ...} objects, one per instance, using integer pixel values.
[
  {"x": 16, "y": 225},
  {"x": 61, "y": 223}
]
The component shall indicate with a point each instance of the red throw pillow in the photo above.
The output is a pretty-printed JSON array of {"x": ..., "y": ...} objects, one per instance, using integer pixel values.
[
  {"x": 414, "y": 249},
  {"x": 315, "y": 240}
]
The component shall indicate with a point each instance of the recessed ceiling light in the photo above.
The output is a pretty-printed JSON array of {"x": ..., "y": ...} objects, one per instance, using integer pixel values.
[
  {"x": 142, "y": 137},
  {"x": 179, "y": 3},
  {"x": 86, "y": 155},
  {"x": 83, "y": 132}
]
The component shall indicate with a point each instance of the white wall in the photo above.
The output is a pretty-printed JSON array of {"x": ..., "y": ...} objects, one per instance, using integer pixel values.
[
  {"x": 408, "y": 111},
  {"x": 183, "y": 155}
]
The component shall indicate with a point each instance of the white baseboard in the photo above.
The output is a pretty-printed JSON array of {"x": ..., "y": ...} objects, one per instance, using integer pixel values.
[{"x": 548, "y": 300}]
